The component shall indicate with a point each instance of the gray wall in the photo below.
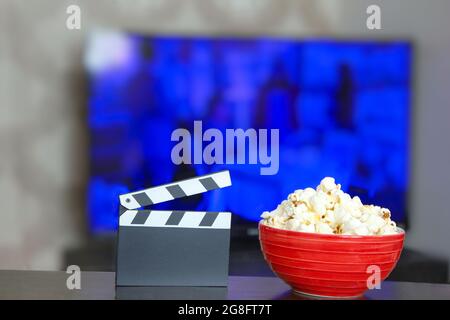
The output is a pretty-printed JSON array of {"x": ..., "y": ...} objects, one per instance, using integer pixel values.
[{"x": 42, "y": 141}]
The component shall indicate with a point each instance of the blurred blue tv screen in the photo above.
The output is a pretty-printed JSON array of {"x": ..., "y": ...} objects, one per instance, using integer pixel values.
[{"x": 342, "y": 108}]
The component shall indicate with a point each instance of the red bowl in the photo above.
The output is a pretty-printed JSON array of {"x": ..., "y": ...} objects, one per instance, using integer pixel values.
[{"x": 329, "y": 265}]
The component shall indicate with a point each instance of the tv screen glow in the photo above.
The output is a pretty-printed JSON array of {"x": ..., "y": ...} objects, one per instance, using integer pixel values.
[{"x": 342, "y": 108}]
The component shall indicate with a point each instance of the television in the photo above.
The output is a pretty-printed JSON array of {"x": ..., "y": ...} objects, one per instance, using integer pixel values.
[{"x": 342, "y": 108}]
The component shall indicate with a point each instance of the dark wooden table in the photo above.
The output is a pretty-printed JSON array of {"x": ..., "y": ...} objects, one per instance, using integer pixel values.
[{"x": 100, "y": 285}]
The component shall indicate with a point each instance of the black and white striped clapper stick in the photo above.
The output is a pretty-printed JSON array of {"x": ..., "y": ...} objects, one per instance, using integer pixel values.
[
  {"x": 173, "y": 248},
  {"x": 180, "y": 189}
]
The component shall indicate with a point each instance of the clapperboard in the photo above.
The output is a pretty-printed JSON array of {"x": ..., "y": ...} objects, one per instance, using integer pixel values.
[{"x": 173, "y": 248}]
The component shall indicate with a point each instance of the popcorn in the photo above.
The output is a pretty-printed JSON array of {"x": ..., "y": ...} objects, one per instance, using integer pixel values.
[
  {"x": 375, "y": 223},
  {"x": 362, "y": 231},
  {"x": 351, "y": 225},
  {"x": 329, "y": 210},
  {"x": 330, "y": 217},
  {"x": 323, "y": 228},
  {"x": 266, "y": 214},
  {"x": 390, "y": 228},
  {"x": 307, "y": 227},
  {"x": 319, "y": 203},
  {"x": 327, "y": 185},
  {"x": 293, "y": 224}
]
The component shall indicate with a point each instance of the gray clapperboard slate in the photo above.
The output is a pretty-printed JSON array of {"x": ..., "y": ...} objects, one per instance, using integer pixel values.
[{"x": 173, "y": 248}]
